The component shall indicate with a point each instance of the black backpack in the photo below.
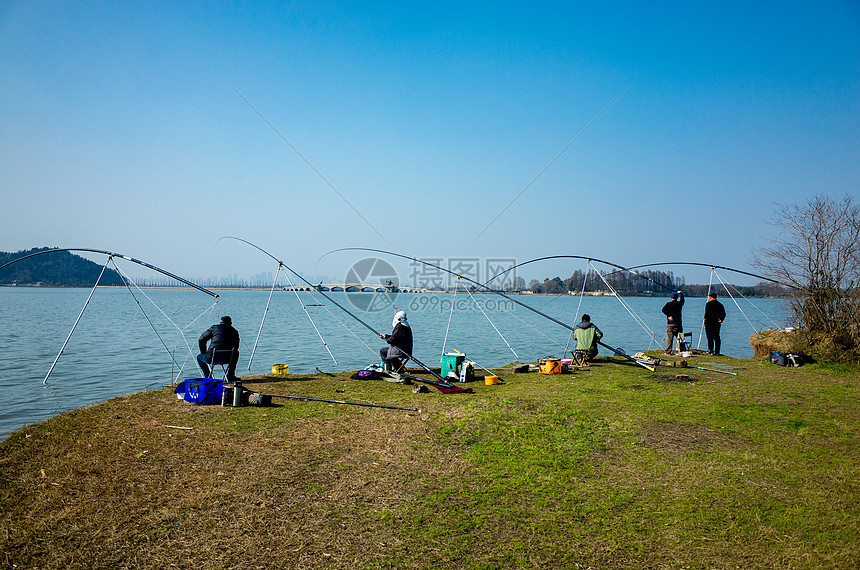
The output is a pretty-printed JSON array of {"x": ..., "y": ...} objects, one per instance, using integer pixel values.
[{"x": 790, "y": 358}]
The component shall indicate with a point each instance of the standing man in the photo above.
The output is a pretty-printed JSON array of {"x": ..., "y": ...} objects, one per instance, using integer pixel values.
[
  {"x": 587, "y": 335},
  {"x": 715, "y": 314},
  {"x": 224, "y": 337},
  {"x": 672, "y": 310}
]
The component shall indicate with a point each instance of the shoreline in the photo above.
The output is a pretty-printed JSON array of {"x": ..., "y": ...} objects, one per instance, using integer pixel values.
[{"x": 405, "y": 292}]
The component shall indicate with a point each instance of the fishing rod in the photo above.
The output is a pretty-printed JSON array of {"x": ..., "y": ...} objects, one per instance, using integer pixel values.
[
  {"x": 75, "y": 325},
  {"x": 344, "y": 309},
  {"x": 309, "y": 399},
  {"x": 110, "y": 259},
  {"x": 625, "y": 355},
  {"x": 490, "y": 372},
  {"x": 266, "y": 312},
  {"x": 619, "y": 268},
  {"x": 713, "y": 370},
  {"x": 532, "y": 309},
  {"x": 112, "y": 255},
  {"x": 711, "y": 265}
]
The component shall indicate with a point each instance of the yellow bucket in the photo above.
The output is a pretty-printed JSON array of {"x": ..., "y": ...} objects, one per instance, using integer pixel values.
[
  {"x": 280, "y": 369},
  {"x": 491, "y": 380},
  {"x": 550, "y": 366}
]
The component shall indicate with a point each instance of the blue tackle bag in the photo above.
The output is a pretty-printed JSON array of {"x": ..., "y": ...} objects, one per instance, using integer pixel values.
[{"x": 201, "y": 391}]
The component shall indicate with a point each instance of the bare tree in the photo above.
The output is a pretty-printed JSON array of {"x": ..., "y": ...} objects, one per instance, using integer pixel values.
[{"x": 817, "y": 252}]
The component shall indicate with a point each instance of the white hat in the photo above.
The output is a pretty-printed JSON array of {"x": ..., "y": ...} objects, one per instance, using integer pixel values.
[{"x": 400, "y": 317}]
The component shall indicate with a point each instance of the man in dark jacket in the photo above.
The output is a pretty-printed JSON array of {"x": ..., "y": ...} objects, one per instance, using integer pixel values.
[
  {"x": 400, "y": 340},
  {"x": 223, "y": 337},
  {"x": 672, "y": 310},
  {"x": 715, "y": 314}
]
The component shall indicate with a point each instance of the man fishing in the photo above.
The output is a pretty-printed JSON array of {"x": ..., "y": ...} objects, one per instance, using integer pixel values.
[
  {"x": 400, "y": 341},
  {"x": 715, "y": 314},
  {"x": 587, "y": 335},
  {"x": 223, "y": 337},
  {"x": 672, "y": 310}
]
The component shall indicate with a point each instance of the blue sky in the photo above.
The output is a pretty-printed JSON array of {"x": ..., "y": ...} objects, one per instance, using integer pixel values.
[{"x": 121, "y": 131}]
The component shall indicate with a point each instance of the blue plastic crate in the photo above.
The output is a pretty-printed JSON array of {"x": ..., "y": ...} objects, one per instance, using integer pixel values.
[{"x": 202, "y": 391}]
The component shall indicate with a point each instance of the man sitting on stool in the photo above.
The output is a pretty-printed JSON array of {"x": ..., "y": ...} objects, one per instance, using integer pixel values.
[
  {"x": 400, "y": 340},
  {"x": 587, "y": 335},
  {"x": 224, "y": 337}
]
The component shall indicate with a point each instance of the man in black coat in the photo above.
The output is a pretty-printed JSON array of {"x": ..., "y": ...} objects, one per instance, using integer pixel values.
[
  {"x": 223, "y": 337},
  {"x": 715, "y": 314},
  {"x": 672, "y": 310},
  {"x": 400, "y": 341}
]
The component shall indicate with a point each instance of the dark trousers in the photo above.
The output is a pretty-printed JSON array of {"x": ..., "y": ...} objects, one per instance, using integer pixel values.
[
  {"x": 205, "y": 359},
  {"x": 393, "y": 357},
  {"x": 672, "y": 331},
  {"x": 712, "y": 330}
]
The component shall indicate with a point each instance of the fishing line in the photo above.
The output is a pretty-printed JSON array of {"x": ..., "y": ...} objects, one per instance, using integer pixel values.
[
  {"x": 263, "y": 320},
  {"x": 633, "y": 314},
  {"x": 309, "y": 316},
  {"x": 537, "y": 330},
  {"x": 491, "y": 324},
  {"x": 490, "y": 345},
  {"x": 111, "y": 259},
  {"x": 735, "y": 302},
  {"x": 532, "y": 309},
  {"x": 209, "y": 310},
  {"x": 343, "y": 324},
  {"x": 451, "y": 314},
  {"x": 632, "y": 271},
  {"x": 548, "y": 166},
  {"x": 189, "y": 353},
  {"x": 753, "y": 305},
  {"x": 126, "y": 279},
  {"x": 710, "y": 281},
  {"x": 341, "y": 307},
  {"x": 74, "y": 326},
  {"x": 578, "y": 305},
  {"x": 300, "y": 155},
  {"x": 477, "y": 332}
]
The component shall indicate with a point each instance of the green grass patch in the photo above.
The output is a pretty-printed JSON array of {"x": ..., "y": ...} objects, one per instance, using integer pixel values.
[{"x": 614, "y": 467}]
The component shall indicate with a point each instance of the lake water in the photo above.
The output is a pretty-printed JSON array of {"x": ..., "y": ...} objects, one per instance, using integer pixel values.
[{"x": 115, "y": 350}]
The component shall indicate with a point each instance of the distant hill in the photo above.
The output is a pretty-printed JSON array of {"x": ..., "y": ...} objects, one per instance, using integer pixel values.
[{"x": 57, "y": 269}]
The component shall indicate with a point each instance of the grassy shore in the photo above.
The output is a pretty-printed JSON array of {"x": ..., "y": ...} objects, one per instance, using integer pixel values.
[{"x": 614, "y": 467}]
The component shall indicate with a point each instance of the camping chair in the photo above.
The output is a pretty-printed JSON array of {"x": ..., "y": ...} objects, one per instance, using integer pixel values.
[
  {"x": 220, "y": 358},
  {"x": 398, "y": 365},
  {"x": 580, "y": 357}
]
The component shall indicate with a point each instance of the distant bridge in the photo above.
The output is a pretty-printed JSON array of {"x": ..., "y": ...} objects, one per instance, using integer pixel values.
[{"x": 356, "y": 288}]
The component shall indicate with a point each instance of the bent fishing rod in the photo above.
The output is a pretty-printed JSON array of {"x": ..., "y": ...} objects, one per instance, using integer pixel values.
[
  {"x": 341, "y": 307},
  {"x": 114, "y": 255},
  {"x": 632, "y": 270},
  {"x": 488, "y": 289},
  {"x": 619, "y": 268},
  {"x": 709, "y": 265},
  {"x": 110, "y": 258}
]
